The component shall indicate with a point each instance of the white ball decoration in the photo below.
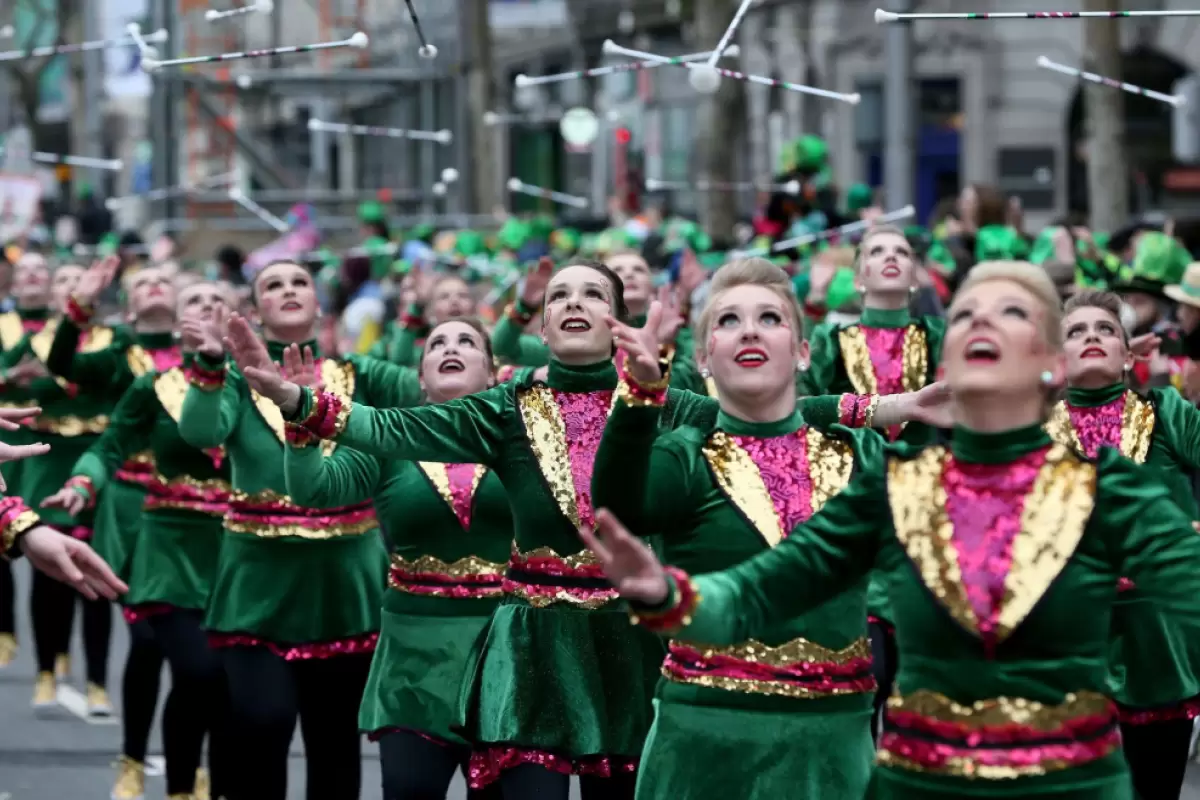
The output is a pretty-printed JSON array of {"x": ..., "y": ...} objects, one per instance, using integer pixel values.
[
  {"x": 449, "y": 175},
  {"x": 704, "y": 79},
  {"x": 427, "y": 51},
  {"x": 439, "y": 189}
]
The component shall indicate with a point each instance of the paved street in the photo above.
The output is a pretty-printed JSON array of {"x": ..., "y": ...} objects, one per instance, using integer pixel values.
[{"x": 64, "y": 757}]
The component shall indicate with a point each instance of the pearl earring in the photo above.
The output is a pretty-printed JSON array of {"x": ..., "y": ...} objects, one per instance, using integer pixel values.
[
  {"x": 1047, "y": 378},
  {"x": 704, "y": 373},
  {"x": 800, "y": 367}
]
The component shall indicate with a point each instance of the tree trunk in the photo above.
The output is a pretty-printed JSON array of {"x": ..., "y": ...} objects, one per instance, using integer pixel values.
[
  {"x": 1107, "y": 163},
  {"x": 481, "y": 90},
  {"x": 721, "y": 124}
]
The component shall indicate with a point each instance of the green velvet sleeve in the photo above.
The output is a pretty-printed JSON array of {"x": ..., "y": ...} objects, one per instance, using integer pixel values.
[
  {"x": 344, "y": 478},
  {"x": 686, "y": 408},
  {"x": 88, "y": 370},
  {"x": 935, "y": 334},
  {"x": 826, "y": 555},
  {"x": 210, "y": 415},
  {"x": 386, "y": 385},
  {"x": 512, "y": 344},
  {"x": 824, "y": 357},
  {"x": 128, "y": 432},
  {"x": 402, "y": 349},
  {"x": 1151, "y": 538},
  {"x": 1178, "y": 420},
  {"x": 469, "y": 430}
]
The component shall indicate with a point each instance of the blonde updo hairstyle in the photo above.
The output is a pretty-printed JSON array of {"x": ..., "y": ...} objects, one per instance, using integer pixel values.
[
  {"x": 749, "y": 272},
  {"x": 1034, "y": 280}
]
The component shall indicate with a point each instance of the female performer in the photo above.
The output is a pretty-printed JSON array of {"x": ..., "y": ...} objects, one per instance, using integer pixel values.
[
  {"x": 174, "y": 558},
  {"x": 450, "y": 529},
  {"x": 296, "y": 597},
  {"x": 796, "y": 700},
  {"x": 148, "y": 346},
  {"x": 427, "y": 299},
  {"x": 70, "y": 421},
  {"x": 1002, "y": 553},
  {"x": 1152, "y": 678},
  {"x": 885, "y": 352}
]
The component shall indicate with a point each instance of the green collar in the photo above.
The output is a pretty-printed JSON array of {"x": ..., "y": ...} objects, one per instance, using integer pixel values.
[
  {"x": 33, "y": 314},
  {"x": 1091, "y": 398},
  {"x": 997, "y": 448},
  {"x": 763, "y": 430},
  {"x": 884, "y": 318},
  {"x": 156, "y": 341},
  {"x": 586, "y": 378},
  {"x": 276, "y": 349}
]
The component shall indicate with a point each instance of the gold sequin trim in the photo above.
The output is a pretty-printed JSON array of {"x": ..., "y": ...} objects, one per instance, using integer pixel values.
[
  {"x": 856, "y": 357},
  {"x": 1137, "y": 427},
  {"x": 1053, "y": 519},
  {"x": 268, "y": 530},
  {"x": 70, "y": 425},
  {"x": 438, "y": 475},
  {"x": 469, "y": 567},
  {"x": 12, "y": 330},
  {"x": 145, "y": 457},
  {"x": 577, "y": 561},
  {"x": 94, "y": 340},
  {"x": 22, "y": 522},
  {"x": 1002, "y": 711},
  {"x": 140, "y": 362},
  {"x": 171, "y": 387},
  {"x": 830, "y": 464},
  {"x": 598, "y": 600},
  {"x": 337, "y": 377},
  {"x": 739, "y": 478},
  {"x": 797, "y": 651},
  {"x": 710, "y": 386},
  {"x": 1060, "y": 429}
]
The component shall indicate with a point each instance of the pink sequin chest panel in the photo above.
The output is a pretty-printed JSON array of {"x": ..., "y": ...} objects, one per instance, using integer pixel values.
[
  {"x": 1099, "y": 426},
  {"x": 166, "y": 358},
  {"x": 984, "y": 503},
  {"x": 461, "y": 478},
  {"x": 886, "y": 346},
  {"x": 782, "y": 462},
  {"x": 584, "y": 415}
]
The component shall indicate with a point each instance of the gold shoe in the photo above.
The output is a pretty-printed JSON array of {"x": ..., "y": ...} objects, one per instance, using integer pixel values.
[
  {"x": 98, "y": 704},
  {"x": 62, "y": 666},
  {"x": 45, "y": 690},
  {"x": 131, "y": 780},
  {"x": 203, "y": 790},
  {"x": 8, "y": 649}
]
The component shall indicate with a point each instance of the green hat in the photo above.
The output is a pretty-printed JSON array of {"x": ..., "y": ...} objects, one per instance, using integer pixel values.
[
  {"x": 841, "y": 292},
  {"x": 371, "y": 212},
  {"x": 859, "y": 197},
  {"x": 808, "y": 154},
  {"x": 1158, "y": 261},
  {"x": 565, "y": 240},
  {"x": 469, "y": 243},
  {"x": 422, "y": 233},
  {"x": 512, "y": 234},
  {"x": 1000, "y": 243}
]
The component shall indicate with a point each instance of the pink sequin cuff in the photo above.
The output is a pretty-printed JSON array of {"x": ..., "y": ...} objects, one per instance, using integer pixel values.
[
  {"x": 487, "y": 764},
  {"x": 354, "y": 645},
  {"x": 83, "y": 485},
  {"x": 79, "y": 314},
  {"x": 678, "y": 613},
  {"x": 1188, "y": 709},
  {"x": 327, "y": 417},
  {"x": 1125, "y": 585},
  {"x": 204, "y": 378},
  {"x": 15, "y": 518},
  {"x": 640, "y": 395},
  {"x": 857, "y": 410}
]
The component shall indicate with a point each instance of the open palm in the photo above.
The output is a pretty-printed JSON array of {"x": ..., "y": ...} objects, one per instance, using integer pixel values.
[{"x": 630, "y": 564}]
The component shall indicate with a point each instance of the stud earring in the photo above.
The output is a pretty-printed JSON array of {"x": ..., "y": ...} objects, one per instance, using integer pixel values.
[
  {"x": 704, "y": 373},
  {"x": 1047, "y": 378},
  {"x": 801, "y": 366}
]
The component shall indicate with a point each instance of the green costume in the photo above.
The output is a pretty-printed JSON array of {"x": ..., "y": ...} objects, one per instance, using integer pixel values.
[
  {"x": 307, "y": 581},
  {"x": 787, "y": 713},
  {"x": 1152, "y": 659},
  {"x": 450, "y": 529},
  {"x": 109, "y": 372},
  {"x": 1001, "y": 693},
  {"x": 174, "y": 553},
  {"x": 14, "y": 325}
]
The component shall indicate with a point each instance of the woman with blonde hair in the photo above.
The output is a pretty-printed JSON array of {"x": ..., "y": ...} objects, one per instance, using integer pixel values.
[
  {"x": 1001, "y": 553},
  {"x": 797, "y": 697},
  {"x": 1162, "y": 431}
]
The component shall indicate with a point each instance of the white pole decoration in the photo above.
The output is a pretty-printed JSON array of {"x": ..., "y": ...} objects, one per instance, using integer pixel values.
[
  {"x": 520, "y": 187},
  {"x": 260, "y": 7},
  {"x": 239, "y": 197},
  {"x": 441, "y": 137},
  {"x": 521, "y": 81},
  {"x": 1176, "y": 100},
  {"x": 359, "y": 41}
]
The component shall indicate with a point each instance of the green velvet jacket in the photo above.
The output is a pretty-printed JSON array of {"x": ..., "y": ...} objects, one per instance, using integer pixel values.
[{"x": 1002, "y": 646}]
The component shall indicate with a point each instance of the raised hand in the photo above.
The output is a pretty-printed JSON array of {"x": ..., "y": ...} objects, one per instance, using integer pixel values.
[
  {"x": 254, "y": 361},
  {"x": 96, "y": 279},
  {"x": 205, "y": 336},
  {"x": 301, "y": 368},
  {"x": 932, "y": 406},
  {"x": 691, "y": 274},
  {"x": 71, "y": 562},
  {"x": 11, "y": 418},
  {"x": 641, "y": 345},
  {"x": 1144, "y": 346},
  {"x": 630, "y": 565},
  {"x": 533, "y": 291},
  {"x": 69, "y": 499},
  {"x": 672, "y": 317}
]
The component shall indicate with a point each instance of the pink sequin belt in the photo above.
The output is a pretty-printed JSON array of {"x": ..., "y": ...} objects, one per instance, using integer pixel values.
[
  {"x": 136, "y": 472},
  {"x": 996, "y": 739},
  {"x": 800, "y": 669},
  {"x": 269, "y": 515},
  {"x": 466, "y": 578},
  {"x": 353, "y": 645},
  {"x": 187, "y": 494},
  {"x": 542, "y": 578}
]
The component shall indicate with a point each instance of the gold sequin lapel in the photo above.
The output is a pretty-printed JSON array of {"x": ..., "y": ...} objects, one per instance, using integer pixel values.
[
  {"x": 1137, "y": 427},
  {"x": 11, "y": 330},
  {"x": 1053, "y": 520},
  {"x": 336, "y": 377},
  {"x": 140, "y": 362},
  {"x": 438, "y": 475},
  {"x": 830, "y": 464},
  {"x": 94, "y": 340},
  {"x": 171, "y": 387},
  {"x": 856, "y": 357}
]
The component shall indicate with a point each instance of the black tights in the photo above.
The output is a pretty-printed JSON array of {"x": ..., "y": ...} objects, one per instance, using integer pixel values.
[
  {"x": 139, "y": 689},
  {"x": 267, "y": 695},
  {"x": 415, "y": 768},
  {"x": 198, "y": 703},
  {"x": 533, "y": 781},
  {"x": 53, "y": 611},
  {"x": 883, "y": 667},
  {"x": 8, "y": 616},
  {"x": 1158, "y": 754}
]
